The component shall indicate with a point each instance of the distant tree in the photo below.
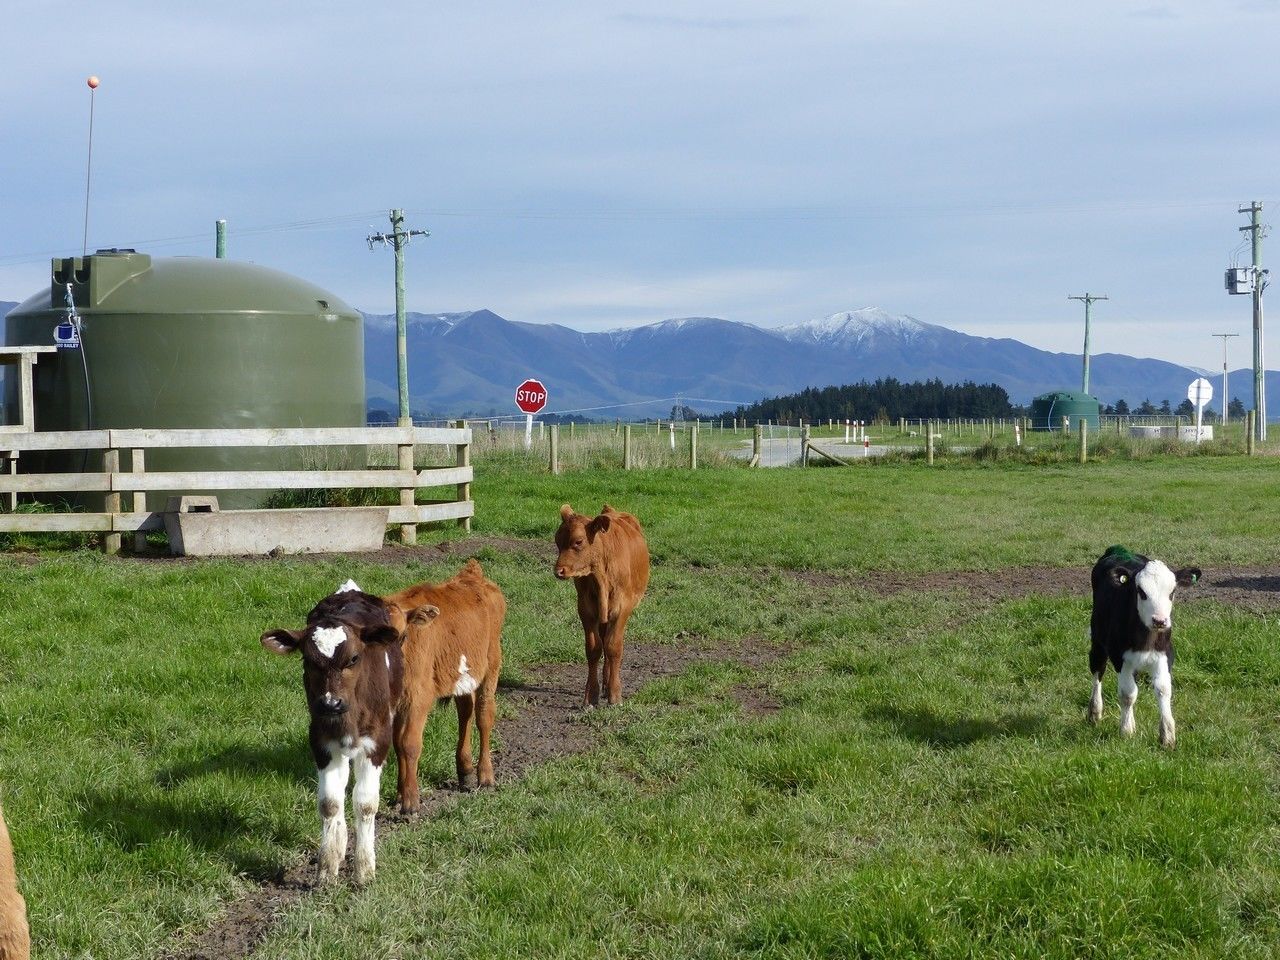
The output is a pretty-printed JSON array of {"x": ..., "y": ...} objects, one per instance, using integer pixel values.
[
  {"x": 1145, "y": 409},
  {"x": 1165, "y": 409},
  {"x": 1122, "y": 408},
  {"x": 1235, "y": 409},
  {"x": 1186, "y": 409}
]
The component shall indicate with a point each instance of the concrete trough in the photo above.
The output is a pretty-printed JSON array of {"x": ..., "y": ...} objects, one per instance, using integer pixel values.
[{"x": 197, "y": 528}]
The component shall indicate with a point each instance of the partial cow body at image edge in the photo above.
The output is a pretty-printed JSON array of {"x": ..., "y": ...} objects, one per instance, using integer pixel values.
[
  {"x": 452, "y": 648},
  {"x": 353, "y": 675},
  {"x": 15, "y": 939},
  {"x": 1132, "y": 627},
  {"x": 608, "y": 560}
]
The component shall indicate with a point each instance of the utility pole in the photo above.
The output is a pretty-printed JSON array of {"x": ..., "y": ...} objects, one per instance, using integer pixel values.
[
  {"x": 1225, "y": 337},
  {"x": 398, "y": 239},
  {"x": 1088, "y": 299},
  {"x": 1259, "y": 283}
]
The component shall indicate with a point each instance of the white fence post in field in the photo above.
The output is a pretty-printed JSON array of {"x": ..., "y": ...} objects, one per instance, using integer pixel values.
[
  {"x": 528, "y": 431},
  {"x": 757, "y": 443},
  {"x": 693, "y": 445},
  {"x": 671, "y": 432},
  {"x": 555, "y": 449},
  {"x": 626, "y": 447},
  {"x": 928, "y": 441}
]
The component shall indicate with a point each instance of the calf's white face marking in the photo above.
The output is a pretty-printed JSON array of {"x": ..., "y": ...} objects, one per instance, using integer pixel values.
[
  {"x": 349, "y": 586},
  {"x": 328, "y": 639},
  {"x": 1155, "y": 585},
  {"x": 466, "y": 682}
]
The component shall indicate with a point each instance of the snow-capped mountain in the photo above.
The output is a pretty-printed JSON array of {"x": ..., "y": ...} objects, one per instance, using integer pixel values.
[
  {"x": 471, "y": 362},
  {"x": 857, "y": 328}
]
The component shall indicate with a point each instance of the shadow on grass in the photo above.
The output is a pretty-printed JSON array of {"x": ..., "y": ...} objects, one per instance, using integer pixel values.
[
  {"x": 947, "y": 733},
  {"x": 289, "y": 759},
  {"x": 152, "y": 825}
]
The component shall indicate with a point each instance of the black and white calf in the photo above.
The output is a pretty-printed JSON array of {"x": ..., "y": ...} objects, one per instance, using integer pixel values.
[
  {"x": 1132, "y": 626},
  {"x": 353, "y": 675}
]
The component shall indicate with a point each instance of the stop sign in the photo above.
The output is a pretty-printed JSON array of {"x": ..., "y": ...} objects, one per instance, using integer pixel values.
[{"x": 531, "y": 396}]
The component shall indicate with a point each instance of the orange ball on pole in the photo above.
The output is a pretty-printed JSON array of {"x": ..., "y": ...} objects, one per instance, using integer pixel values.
[{"x": 93, "y": 83}]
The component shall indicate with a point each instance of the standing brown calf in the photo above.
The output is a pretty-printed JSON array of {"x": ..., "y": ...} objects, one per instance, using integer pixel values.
[
  {"x": 15, "y": 940},
  {"x": 608, "y": 560},
  {"x": 452, "y": 648}
]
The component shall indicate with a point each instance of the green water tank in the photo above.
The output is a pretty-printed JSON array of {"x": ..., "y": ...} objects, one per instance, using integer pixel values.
[
  {"x": 1048, "y": 409},
  {"x": 190, "y": 342}
]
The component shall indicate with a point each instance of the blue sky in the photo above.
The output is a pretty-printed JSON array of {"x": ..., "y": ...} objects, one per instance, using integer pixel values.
[{"x": 608, "y": 164}]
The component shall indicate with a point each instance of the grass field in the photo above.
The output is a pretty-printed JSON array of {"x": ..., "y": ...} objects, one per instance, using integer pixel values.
[{"x": 925, "y": 787}]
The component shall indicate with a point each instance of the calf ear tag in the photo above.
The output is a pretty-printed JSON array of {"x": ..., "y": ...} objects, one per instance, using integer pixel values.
[{"x": 1124, "y": 578}]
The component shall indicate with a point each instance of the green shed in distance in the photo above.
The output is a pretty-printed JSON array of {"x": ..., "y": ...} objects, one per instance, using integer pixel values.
[
  {"x": 1048, "y": 409},
  {"x": 190, "y": 342}
]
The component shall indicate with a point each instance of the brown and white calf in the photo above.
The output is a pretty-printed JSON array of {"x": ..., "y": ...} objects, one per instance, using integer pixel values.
[
  {"x": 1132, "y": 627},
  {"x": 353, "y": 675},
  {"x": 15, "y": 939},
  {"x": 452, "y": 648},
  {"x": 608, "y": 560}
]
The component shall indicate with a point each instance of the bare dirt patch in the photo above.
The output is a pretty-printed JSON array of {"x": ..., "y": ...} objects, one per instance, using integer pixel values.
[
  {"x": 1253, "y": 588},
  {"x": 547, "y": 708}
]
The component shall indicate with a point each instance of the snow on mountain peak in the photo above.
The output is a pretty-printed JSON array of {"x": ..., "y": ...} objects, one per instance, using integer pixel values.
[{"x": 854, "y": 326}]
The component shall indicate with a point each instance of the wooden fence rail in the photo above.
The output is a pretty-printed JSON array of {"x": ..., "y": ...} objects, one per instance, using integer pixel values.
[{"x": 113, "y": 481}]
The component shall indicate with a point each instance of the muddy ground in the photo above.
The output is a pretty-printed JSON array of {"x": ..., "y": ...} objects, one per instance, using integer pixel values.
[{"x": 540, "y": 715}]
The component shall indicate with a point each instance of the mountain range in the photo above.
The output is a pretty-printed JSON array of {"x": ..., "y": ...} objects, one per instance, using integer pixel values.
[{"x": 471, "y": 362}]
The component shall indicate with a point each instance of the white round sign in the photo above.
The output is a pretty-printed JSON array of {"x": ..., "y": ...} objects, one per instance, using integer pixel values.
[{"x": 1200, "y": 392}]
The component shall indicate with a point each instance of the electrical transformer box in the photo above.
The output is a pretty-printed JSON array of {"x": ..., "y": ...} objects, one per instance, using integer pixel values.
[{"x": 1239, "y": 280}]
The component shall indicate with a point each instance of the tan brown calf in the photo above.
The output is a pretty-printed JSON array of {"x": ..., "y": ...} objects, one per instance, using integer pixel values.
[
  {"x": 15, "y": 940},
  {"x": 608, "y": 560},
  {"x": 452, "y": 648}
]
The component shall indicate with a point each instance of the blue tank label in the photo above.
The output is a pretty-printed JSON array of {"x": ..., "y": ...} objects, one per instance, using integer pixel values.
[{"x": 65, "y": 337}]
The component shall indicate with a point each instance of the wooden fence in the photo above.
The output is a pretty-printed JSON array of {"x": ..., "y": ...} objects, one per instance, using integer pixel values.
[{"x": 125, "y": 491}]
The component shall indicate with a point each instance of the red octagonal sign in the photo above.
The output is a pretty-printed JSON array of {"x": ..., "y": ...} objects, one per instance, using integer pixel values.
[{"x": 531, "y": 396}]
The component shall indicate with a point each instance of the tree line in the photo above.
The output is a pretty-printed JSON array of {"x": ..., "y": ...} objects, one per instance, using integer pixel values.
[{"x": 885, "y": 399}]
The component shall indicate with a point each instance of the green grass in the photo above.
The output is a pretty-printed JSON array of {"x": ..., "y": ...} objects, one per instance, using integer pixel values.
[{"x": 928, "y": 789}]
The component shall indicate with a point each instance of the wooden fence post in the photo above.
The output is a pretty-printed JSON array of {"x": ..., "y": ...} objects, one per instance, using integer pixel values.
[
  {"x": 12, "y": 456},
  {"x": 1249, "y": 445},
  {"x": 626, "y": 447},
  {"x": 555, "y": 449},
  {"x": 138, "y": 464},
  {"x": 464, "y": 489},
  {"x": 1084, "y": 440},
  {"x": 928, "y": 441},
  {"x": 404, "y": 461},
  {"x": 693, "y": 445},
  {"x": 111, "y": 465},
  {"x": 804, "y": 446},
  {"x": 757, "y": 443}
]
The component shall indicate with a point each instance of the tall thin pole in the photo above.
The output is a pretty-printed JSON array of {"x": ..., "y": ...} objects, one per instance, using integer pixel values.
[
  {"x": 1259, "y": 371},
  {"x": 1224, "y": 337},
  {"x": 1088, "y": 299},
  {"x": 220, "y": 239},
  {"x": 398, "y": 239},
  {"x": 88, "y": 166}
]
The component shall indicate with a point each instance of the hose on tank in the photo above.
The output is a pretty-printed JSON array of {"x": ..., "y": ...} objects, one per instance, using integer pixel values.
[{"x": 77, "y": 322}]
